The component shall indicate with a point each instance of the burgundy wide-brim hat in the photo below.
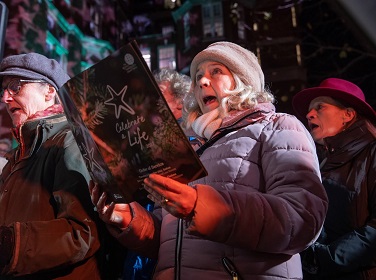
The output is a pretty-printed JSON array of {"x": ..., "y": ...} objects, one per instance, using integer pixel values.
[{"x": 341, "y": 90}]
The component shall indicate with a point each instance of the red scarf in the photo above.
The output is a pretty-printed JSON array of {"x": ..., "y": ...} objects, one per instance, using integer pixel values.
[{"x": 50, "y": 111}]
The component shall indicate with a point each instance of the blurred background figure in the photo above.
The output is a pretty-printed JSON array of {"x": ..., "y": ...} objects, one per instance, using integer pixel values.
[
  {"x": 342, "y": 124},
  {"x": 174, "y": 87},
  {"x": 5, "y": 146}
]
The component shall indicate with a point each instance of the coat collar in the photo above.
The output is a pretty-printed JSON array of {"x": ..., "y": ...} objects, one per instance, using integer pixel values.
[
  {"x": 357, "y": 134},
  {"x": 31, "y": 134},
  {"x": 344, "y": 146},
  {"x": 246, "y": 117},
  {"x": 238, "y": 119}
]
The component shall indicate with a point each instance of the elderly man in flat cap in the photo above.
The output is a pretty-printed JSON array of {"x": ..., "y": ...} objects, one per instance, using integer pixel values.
[{"x": 47, "y": 222}]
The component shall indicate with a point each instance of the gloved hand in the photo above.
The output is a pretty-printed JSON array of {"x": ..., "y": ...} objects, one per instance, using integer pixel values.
[{"x": 6, "y": 246}]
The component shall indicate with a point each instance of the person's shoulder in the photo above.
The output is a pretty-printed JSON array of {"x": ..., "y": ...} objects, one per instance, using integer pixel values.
[
  {"x": 372, "y": 146},
  {"x": 283, "y": 115},
  {"x": 288, "y": 131},
  {"x": 286, "y": 121},
  {"x": 62, "y": 133}
]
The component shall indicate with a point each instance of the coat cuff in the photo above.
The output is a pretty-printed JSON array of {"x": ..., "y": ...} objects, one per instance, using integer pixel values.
[{"x": 213, "y": 216}]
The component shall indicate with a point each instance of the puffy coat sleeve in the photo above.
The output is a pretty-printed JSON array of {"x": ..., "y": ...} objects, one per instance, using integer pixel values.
[
  {"x": 283, "y": 210},
  {"x": 66, "y": 234},
  {"x": 143, "y": 233}
]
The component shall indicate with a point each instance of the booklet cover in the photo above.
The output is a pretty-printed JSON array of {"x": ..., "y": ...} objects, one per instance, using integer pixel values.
[{"x": 124, "y": 127}]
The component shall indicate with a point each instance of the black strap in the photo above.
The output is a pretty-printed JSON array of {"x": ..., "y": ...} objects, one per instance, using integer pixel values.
[
  {"x": 210, "y": 142},
  {"x": 257, "y": 115}
]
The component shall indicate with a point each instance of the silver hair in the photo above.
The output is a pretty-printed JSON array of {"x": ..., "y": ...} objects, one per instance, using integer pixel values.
[
  {"x": 180, "y": 84},
  {"x": 242, "y": 97}
]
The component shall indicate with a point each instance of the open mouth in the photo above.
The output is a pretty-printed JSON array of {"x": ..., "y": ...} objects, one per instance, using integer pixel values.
[
  {"x": 313, "y": 126},
  {"x": 14, "y": 109},
  {"x": 208, "y": 99}
]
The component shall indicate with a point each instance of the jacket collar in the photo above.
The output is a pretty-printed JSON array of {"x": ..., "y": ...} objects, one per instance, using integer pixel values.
[
  {"x": 357, "y": 134},
  {"x": 246, "y": 117},
  {"x": 238, "y": 119},
  {"x": 344, "y": 146},
  {"x": 32, "y": 133}
]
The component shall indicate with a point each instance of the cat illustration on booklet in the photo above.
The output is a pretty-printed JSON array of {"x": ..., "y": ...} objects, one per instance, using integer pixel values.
[{"x": 124, "y": 127}]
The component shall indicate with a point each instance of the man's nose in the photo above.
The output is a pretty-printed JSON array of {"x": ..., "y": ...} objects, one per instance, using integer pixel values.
[{"x": 6, "y": 97}]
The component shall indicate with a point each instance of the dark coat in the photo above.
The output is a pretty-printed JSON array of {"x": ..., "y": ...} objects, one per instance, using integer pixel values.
[
  {"x": 346, "y": 248},
  {"x": 44, "y": 198}
]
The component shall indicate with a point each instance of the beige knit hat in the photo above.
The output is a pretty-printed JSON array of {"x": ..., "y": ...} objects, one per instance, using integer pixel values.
[{"x": 239, "y": 60}]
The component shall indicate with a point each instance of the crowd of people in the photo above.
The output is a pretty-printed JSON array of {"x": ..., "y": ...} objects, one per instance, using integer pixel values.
[{"x": 286, "y": 197}]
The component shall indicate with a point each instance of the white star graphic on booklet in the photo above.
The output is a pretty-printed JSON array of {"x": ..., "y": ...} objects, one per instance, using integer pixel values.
[
  {"x": 117, "y": 100},
  {"x": 89, "y": 157}
]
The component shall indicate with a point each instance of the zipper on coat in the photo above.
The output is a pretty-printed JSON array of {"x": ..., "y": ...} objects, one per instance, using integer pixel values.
[
  {"x": 230, "y": 268},
  {"x": 179, "y": 240}
]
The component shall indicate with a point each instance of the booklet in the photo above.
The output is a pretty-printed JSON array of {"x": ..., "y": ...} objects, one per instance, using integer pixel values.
[{"x": 124, "y": 127}]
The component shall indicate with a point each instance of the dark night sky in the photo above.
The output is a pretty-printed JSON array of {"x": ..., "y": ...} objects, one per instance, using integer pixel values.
[{"x": 333, "y": 47}]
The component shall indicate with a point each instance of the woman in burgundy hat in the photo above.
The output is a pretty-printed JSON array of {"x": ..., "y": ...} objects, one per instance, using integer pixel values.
[{"x": 342, "y": 123}]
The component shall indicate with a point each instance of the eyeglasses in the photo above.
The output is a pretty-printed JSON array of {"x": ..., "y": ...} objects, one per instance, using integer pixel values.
[{"x": 14, "y": 86}]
